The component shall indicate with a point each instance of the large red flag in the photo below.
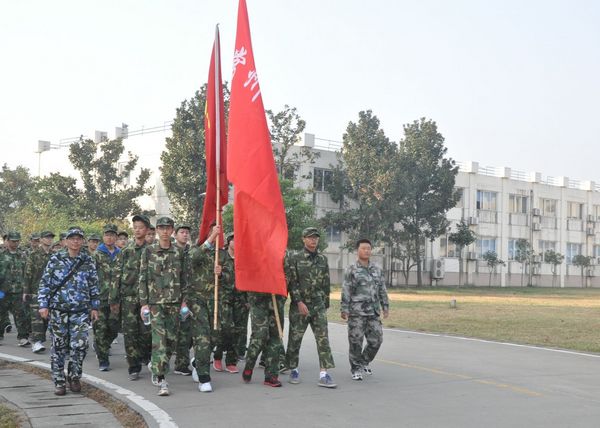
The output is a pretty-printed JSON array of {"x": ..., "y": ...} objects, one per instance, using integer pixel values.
[
  {"x": 216, "y": 151},
  {"x": 259, "y": 216}
]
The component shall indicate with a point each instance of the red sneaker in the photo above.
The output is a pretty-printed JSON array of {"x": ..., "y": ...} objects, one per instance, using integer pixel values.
[
  {"x": 218, "y": 365},
  {"x": 272, "y": 381},
  {"x": 247, "y": 375},
  {"x": 232, "y": 368}
]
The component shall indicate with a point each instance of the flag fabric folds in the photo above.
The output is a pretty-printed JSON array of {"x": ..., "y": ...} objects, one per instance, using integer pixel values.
[
  {"x": 216, "y": 149},
  {"x": 259, "y": 216}
]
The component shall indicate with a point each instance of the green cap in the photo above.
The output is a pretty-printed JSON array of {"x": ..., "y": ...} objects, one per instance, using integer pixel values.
[
  {"x": 63, "y": 235},
  {"x": 74, "y": 231},
  {"x": 310, "y": 231},
  {"x": 141, "y": 217},
  {"x": 94, "y": 237},
  {"x": 123, "y": 233},
  {"x": 110, "y": 228},
  {"x": 47, "y": 234},
  {"x": 34, "y": 237},
  {"x": 182, "y": 226},
  {"x": 165, "y": 221},
  {"x": 13, "y": 236}
]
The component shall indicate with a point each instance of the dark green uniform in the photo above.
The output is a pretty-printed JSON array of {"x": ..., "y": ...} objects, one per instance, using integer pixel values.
[
  {"x": 12, "y": 277},
  {"x": 226, "y": 336},
  {"x": 34, "y": 269}
]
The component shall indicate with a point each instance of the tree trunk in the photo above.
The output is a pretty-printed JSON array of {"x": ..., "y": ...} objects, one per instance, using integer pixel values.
[
  {"x": 418, "y": 259},
  {"x": 490, "y": 281},
  {"x": 460, "y": 267},
  {"x": 522, "y": 272}
]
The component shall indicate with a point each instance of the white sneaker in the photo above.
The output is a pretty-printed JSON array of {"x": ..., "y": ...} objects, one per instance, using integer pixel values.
[
  {"x": 205, "y": 387},
  {"x": 155, "y": 381},
  {"x": 357, "y": 375},
  {"x": 367, "y": 370},
  {"x": 23, "y": 342},
  {"x": 163, "y": 390},
  {"x": 195, "y": 377},
  {"x": 38, "y": 347}
]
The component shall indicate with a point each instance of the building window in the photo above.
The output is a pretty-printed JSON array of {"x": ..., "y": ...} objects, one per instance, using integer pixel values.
[
  {"x": 447, "y": 248},
  {"x": 486, "y": 200},
  {"x": 334, "y": 234},
  {"x": 322, "y": 179},
  {"x": 574, "y": 210},
  {"x": 573, "y": 250},
  {"x": 596, "y": 212},
  {"x": 483, "y": 245},
  {"x": 545, "y": 246},
  {"x": 548, "y": 207},
  {"x": 517, "y": 204},
  {"x": 596, "y": 250}
]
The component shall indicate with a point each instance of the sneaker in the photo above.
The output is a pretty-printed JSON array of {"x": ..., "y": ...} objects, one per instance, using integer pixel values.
[
  {"x": 149, "y": 366},
  {"x": 60, "y": 390},
  {"x": 327, "y": 381},
  {"x": 154, "y": 380},
  {"x": 218, "y": 365},
  {"x": 134, "y": 375},
  {"x": 163, "y": 389},
  {"x": 272, "y": 381},
  {"x": 357, "y": 375},
  {"x": 205, "y": 387},
  {"x": 232, "y": 368},
  {"x": 115, "y": 342},
  {"x": 367, "y": 370},
  {"x": 261, "y": 364},
  {"x": 74, "y": 385},
  {"x": 23, "y": 342},
  {"x": 8, "y": 329},
  {"x": 195, "y": 377},
  {"x": 183, "y": 371},
  {"x": 283, "y": 368},
  {"x": 247, "y": 375},
  {"x": 104, "y": 366},
  {"x": 38, "y": 347},
  {"x": 294, "y": 377}
]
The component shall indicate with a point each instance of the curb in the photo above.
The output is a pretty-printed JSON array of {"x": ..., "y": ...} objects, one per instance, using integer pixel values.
[{"x": 154, "y": 416}]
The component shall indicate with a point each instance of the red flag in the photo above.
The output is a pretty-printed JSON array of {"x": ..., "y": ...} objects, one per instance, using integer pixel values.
[
  {"x": 216, "y": 151},
  {"x": 259, "y": 216}
]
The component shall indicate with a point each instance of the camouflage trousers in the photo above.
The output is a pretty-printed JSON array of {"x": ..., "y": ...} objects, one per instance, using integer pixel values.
[
  {"x": 38, "y": 324},
  {"x": 241, "y": 311},
  {"x": 203, "y": 336},
  {"x": 225, "y": 336},
  {"x": 184, "y": 343},
  {"x": 361, "y": 328},
  {"x": 138, "y": 337},
  {"x": 265, "y": 336},
  {"x": 106, "y": 329},
  {"x": 317, "y": 319},
  {"x": 12, "y": 303},
  {"x": 69, "y": 335},
  {"x": 164, "y": 319}
]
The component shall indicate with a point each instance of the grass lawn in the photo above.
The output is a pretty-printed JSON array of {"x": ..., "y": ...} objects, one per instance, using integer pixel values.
[
  {"x": 553, "y": 317},
  {"x": 8, "y": 417}
]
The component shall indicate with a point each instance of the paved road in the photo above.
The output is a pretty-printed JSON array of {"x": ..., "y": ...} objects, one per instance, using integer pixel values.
[{"x": 420, "y": 381}]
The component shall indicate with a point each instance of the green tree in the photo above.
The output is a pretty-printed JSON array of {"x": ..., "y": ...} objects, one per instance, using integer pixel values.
[
  {"x": 492, "y": 261},
  {"x": 555, "y": 259},
  {"x": 14, "y": 192},
  {"x": 424, "y": 182},
  {"x": 585, "y": 263},
  {"x": 523, "y": 254},
  {"x": 404, "y": 253},
  {"x": 106, "y": 192},
  {"x": 462, "y": 238}
]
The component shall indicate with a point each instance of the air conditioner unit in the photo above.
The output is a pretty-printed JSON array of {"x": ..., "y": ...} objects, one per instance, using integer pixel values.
[
  {"x": 590, "y": 231},
  {"x": 537, "y": 226},
  {"x": 471, "y": 255},
  {"x": 535, "y": 212},
  {"x": 591, "y": 218},
  {"x": 473, "y": 221},
  {"x": 535, "y": 270},
  {"x": 438, "y": 269}
]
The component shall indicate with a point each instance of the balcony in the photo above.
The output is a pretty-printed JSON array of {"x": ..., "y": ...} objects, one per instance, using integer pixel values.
[
  {"x": 574, "y": 224},
  {"x": 548, "y": 222},
  {"x": 487, "y": 216},
  {"x": 518, "y": 219}
]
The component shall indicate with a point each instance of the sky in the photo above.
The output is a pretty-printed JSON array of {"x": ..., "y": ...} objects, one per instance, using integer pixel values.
[{"x": 509, "y": 83}]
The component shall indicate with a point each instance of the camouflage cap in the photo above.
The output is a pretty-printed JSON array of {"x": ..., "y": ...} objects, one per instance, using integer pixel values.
[
  {"x": 165, "y": 221},
  {"x": 229, "y": 238},
  {"x": 141, "y": 217},
  {"x": 47, "y": 234},
  {"x": 182, "y": 226},
  {"x": 13, "y": 236},
  {"x": 74, "y": 231},
  {"x": 123, "y": 233},
  {"x": 62, "y": 235},
  {"x": 34, "y": 237},
  {"x": 110, "y": 228},
  {"x": 94, "y": 237},
  {"x": 310, "y": 231}
]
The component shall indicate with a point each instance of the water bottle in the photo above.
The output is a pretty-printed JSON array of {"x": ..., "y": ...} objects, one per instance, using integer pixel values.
[
  {"x": 146, "y": 316},
  {"x": 184, "y": 313}
]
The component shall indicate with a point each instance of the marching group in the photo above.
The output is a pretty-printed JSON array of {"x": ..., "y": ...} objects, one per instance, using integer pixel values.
[{"x": 158, "y": 290}]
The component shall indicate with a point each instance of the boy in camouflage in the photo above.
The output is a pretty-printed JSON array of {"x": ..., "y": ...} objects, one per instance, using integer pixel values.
[
  {"x": 364, "y": 296},
  {"x": 307, "y": 274},
  {"x": 184, "y": 334}
]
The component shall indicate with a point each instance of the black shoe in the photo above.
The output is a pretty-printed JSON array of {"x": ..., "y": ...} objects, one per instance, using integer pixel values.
[
  {"x": 8, "y": 329},
  {"x": 261, "y": 363},
  {"x": 74, "y": 385},
  {"x": 183, "y": 371},
  {"x": 60, "y": 390}
]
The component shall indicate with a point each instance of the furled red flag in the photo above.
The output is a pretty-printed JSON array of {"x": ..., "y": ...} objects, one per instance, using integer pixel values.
[
  {"x": 216, "y": 150},
  {"x": 258, "y": 216}
]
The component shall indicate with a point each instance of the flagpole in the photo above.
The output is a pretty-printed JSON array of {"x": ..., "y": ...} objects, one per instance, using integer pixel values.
[
  {"x": 277, "y": 319},
  {"x": 217, "y": 167}
]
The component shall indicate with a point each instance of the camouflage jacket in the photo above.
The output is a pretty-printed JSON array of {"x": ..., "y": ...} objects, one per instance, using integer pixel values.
[
  {"x": 109, "y": 271},
  {"x": 163, "y": 275},
  {"x": 363, "y": 290},
  {"x": 128, "y": 286},
  {"x": 308, "y": 278},
  {"x": 34, "y": 269},
  {"x": 80, "y": 293},
  {"x": 201, "y": 272},
  {"x": 12, "y": 271},
  {"x": 227, "y": 281},
  {"x": 265, "y": 300}
]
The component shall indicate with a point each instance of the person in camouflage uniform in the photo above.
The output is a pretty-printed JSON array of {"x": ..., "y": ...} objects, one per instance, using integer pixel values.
[
  {"x": 199, "y": 298},
  {"x": 307, "y": 274},
  {"x": 68, "y": 294},
  {"x": 184, "y": 328},
  {"x": 122, "y": 239},
  {"x": 124, "y": 297},
  {"x": 92, "y": 243},
  {"x": 162, "y": 281},
  {"x": 151, "y": 235},
  {"x": 34, "y": 268},
  {"x": 12, "y": 277},
  {"x": 364, "y": 297},
  {"x": 108, "y": 266}
]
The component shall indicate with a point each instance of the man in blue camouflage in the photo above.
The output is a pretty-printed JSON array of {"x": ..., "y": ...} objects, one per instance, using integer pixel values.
[
  {"x": 364, "y": 297},
  {"x": 69, "y": 295}
]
